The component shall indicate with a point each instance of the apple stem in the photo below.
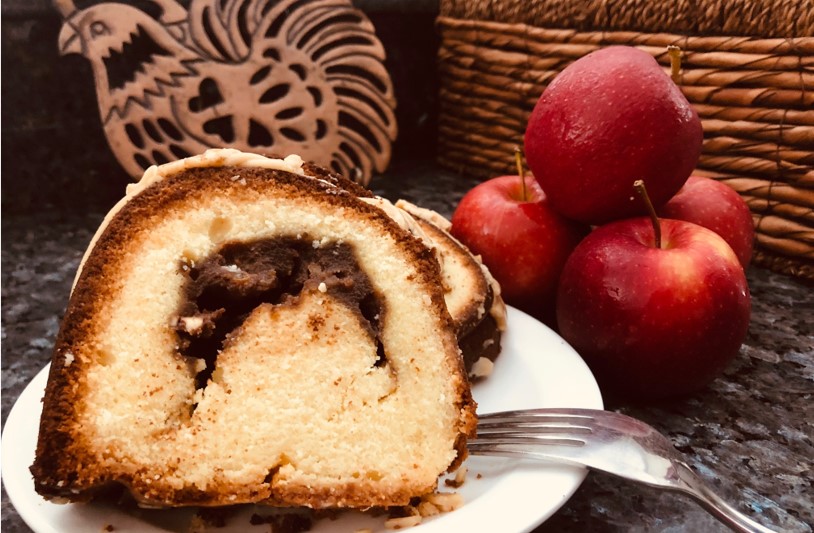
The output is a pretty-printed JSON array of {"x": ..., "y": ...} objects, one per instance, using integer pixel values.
[
  {"x": 519, "y": 161},
  {"x": 642, "y": 190},
  {"x": 675, "y": 62}
]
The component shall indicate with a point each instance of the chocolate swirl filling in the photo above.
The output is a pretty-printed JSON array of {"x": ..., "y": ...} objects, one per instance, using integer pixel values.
[{"x": 222, "y": 289}]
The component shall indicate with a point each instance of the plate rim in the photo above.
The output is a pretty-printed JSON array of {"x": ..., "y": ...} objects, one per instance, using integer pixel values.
[{"x": 19, "y": 494}]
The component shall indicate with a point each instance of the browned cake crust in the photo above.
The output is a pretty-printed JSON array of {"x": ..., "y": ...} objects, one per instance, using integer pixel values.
[
  {"x": 67, "y": 466},
  {"x": 337, "y": 179},
  {"x": 478, "y": 332},
  {"x": 479, "y": 298}
]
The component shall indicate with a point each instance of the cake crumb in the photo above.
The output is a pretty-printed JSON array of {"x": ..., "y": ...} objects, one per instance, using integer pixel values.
[
  {"x": 483, "y": 367},
  {"x": 320, "y": 243},
  {"x": 460, "y": 478},
  {"x": 428, "y": 505},
  {"x": 196, "y": 525},
  {"x": 109, "y": 527},
  {"x": 445, "y": 501},
  {"x": 426, "y": 509},
  {"x": 198, "y": 396},
  {"x": 190, "y": 324},
  {"x": 403, "y": 522},
  {"x": 479, "y": 475}
]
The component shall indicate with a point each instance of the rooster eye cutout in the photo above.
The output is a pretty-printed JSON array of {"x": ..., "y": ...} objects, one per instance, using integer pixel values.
[
  {"x": 266, "y": 76},
  {"x": 99, "y": 28}
]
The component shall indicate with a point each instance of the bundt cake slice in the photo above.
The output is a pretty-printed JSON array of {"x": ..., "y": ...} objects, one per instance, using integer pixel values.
[
  {"x": 472, "y": 294},
  {"x": 248, "y": 330}
]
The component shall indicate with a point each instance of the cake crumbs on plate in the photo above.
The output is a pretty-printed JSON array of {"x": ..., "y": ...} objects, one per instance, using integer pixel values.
[
  {"x": 445, "y": 501},
  {"x": 428, "y": 505},
  {"x": 403, "y": 521},
  {"x": 196, "y": 525},
  {"x": 482, "y": 368},
  {"x": 460, "y": 478},
  {"x": 426, "y": 509}
]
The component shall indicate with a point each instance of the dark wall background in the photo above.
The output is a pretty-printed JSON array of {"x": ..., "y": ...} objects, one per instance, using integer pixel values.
[{"x": 54, "y": 152}]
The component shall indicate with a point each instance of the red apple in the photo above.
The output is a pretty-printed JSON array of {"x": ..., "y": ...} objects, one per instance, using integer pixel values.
[
  {"x": 607, "y": 120},
  {"x": 718, "y": 207},
  {"x": 522, "y": 240},
  {"x": 651, "y": 321}
]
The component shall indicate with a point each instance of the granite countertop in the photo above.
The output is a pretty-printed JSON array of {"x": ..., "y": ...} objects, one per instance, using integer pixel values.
[{"x": 750, "y": 434}]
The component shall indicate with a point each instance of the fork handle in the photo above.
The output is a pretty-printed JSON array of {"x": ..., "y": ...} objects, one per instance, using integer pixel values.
[{"x": 694, "y": 486}]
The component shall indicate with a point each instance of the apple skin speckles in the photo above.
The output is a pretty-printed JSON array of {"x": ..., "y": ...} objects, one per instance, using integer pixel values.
[
  {"x": 717, "y": 207},
  {"x": 608, "y": 119},
  {"x": 522, "y": 241}
]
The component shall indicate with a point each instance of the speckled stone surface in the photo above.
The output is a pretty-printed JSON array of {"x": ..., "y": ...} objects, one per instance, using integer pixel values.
[{"x": 750, "y": 434}]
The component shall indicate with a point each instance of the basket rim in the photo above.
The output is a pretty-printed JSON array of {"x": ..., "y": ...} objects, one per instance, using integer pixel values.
[{"x": 757, "y": 18}]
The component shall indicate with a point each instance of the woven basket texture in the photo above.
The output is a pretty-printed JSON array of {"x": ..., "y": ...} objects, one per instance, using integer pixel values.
[{"x": 747, "y": 68}]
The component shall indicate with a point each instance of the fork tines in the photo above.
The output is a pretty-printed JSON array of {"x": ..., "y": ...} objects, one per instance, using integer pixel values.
[{"x": 531, "y": 427}]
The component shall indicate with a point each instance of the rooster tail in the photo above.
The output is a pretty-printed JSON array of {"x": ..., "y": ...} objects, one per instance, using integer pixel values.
[
  {"x": 214, "y": 28},
  {"x": 227, "y": 29},
  {"x": 224, "y": 29},
  {"x": 340, "y": 44},
  {"x": 343, "y": 45},
  {"x": 172, "y": 12}
]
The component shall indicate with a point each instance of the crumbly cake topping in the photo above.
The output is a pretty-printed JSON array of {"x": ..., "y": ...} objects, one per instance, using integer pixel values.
[
  {"x": 216, "y": 157},
  {"x": 406, "y": 221},
  {"x": 427, "y": 214}
]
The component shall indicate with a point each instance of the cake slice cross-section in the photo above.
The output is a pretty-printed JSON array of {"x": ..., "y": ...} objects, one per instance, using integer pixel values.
[{"x": 248, "y": 330}]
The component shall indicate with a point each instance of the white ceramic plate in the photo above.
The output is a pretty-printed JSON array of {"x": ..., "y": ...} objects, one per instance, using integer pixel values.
[{"x": 536, "y": 369}]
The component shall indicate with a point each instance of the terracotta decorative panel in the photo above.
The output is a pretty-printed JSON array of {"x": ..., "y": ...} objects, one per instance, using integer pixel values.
[{"x": 275, "y": 77}]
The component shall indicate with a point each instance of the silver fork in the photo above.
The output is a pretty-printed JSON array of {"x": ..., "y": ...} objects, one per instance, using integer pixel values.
[{"x": 604, "y": 441}]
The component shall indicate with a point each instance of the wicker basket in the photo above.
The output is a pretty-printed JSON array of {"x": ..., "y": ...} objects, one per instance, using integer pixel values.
[{"x": 748, "y": 68}]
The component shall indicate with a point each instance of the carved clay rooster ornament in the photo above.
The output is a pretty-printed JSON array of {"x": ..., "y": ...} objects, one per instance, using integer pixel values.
[{"x": 269, "y": 76}]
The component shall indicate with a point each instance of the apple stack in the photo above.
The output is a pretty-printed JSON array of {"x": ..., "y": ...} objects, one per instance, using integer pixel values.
[{"x": 638, "y": 265}]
